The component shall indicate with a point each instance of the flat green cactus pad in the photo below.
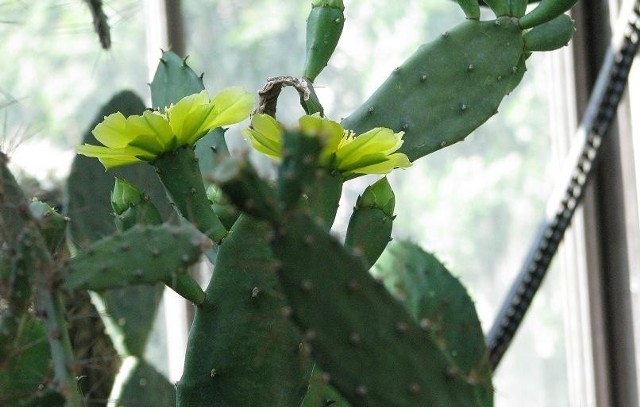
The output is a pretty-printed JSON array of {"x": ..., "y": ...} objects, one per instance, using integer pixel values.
[{"x": 448, "y": 87}]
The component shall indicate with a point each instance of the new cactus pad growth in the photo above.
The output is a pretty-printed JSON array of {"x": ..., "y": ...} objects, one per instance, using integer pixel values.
[{"x": 324, "y": 27}]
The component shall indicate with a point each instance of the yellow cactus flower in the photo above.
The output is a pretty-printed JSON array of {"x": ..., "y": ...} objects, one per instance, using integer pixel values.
[
  {"x": 129, "y": 140},
  {"x": 373, "y": 152},
  {"x": 265, "y": 135}
]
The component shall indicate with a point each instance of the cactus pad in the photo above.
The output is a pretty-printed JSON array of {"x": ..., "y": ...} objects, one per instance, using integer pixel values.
[
  {"x": 157, "y": 253},
  {"x": 373, "y": 352},
  {"x": 447, "y": 88},
  {"x": 437, "y": 299}
]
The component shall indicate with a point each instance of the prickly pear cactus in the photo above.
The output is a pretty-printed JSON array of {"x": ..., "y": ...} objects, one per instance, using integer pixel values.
[
  {"x": 324, "y": 26},
  {"x": 371, "y": 222},
  {"x": 292, "y": 316}
]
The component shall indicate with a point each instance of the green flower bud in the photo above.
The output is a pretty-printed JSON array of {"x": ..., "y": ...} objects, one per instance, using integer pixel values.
[
  {"x": 124, "y": 196},
  {"x": 378, "y": 195}
]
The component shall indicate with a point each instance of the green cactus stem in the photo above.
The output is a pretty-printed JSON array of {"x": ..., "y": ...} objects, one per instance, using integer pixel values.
[
  {"x": 180, "y": 174},
  {"x": 551, "y": 35},
  {"x": 499, "y": 7},
  {"x": 173, "y": 80},
  {"x": 248, "y": 192},
  {"x": 471, "y": 8},
  {"x": 241, "y": 352},
  {"x": 547, "y": 10},
  {"x": 299, "y": 161},
  {"x": 518, "y": 7},
  {"x": 49, "y": 304},
  {"x": 438, "y": 301},
  {"x": 220, "y": 204},
  {"x": 157, "y": 253},
  {"x": 323, "y": 196}
]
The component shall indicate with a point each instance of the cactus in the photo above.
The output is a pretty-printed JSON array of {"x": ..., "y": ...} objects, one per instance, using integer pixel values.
[
  {"x": 547, "y": 10},
  {"x": 517, "y": 8},
  {"x": 25, "y": 361},
  {"x": 471, "y": 8},
  {"x": 180, "y": 174},
  {"x": 261, "y": 333},
  {"x": 32, "y": 264},
  {"x": 500, "y": 7},
  {"x": 550, "y": 35}
]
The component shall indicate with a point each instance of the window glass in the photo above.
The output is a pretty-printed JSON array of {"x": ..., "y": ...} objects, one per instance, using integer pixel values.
[{"x": 55, "y": 76}]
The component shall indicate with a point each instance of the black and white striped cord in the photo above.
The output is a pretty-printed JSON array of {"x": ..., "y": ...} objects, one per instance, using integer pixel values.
[{"x": 568, "y": 192}]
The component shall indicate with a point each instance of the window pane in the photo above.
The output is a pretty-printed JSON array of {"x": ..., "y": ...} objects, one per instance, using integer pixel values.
[{"x": 55, "y": 76}]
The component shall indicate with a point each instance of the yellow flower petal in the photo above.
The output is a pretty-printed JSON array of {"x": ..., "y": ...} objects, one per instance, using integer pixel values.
[
  {"x": 151, "y": 132},
  {"x": 146, "y": 136},
  {"x": 197, "y": 124},
  {"x": 231, "y": 105},
  {"x": 111, "y": 131},
  {"x": 194, "y": 116},
  {"x": 114, "y": 157},
  {"x": 378, "y": 164},
  {"x": 265, "y": 135},
  {"x": 263, "y": 144},
  {"x": 378, "y": 140},
  {"x": 373, "y": 152},
  {"x": 331, "y": 132},
  {"x": 180, "y": 114}
]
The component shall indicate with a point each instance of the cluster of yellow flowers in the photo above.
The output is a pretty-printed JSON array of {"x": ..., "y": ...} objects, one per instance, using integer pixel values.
[{"x": 145, "y": 137}]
